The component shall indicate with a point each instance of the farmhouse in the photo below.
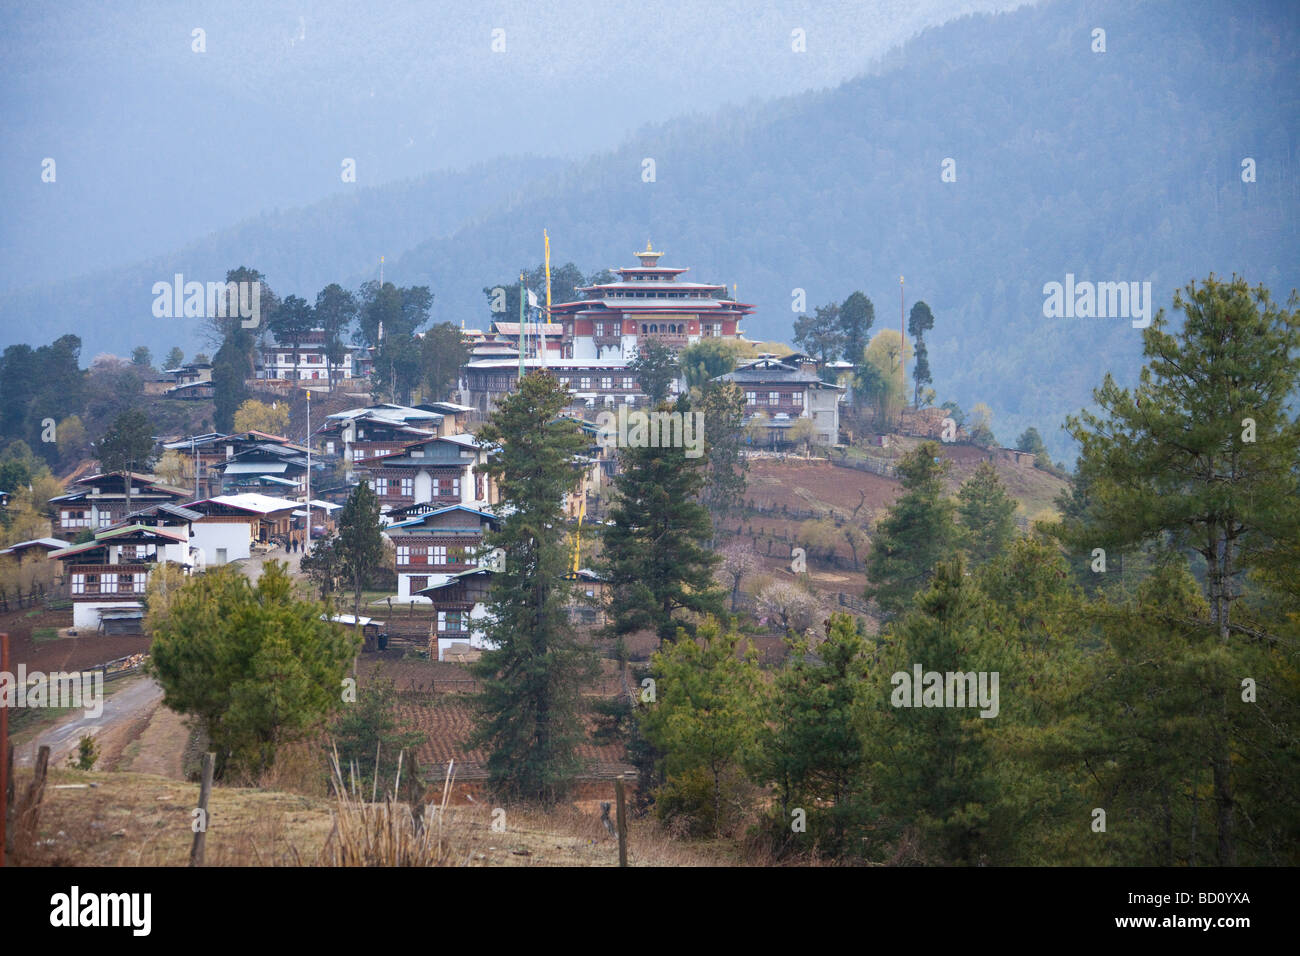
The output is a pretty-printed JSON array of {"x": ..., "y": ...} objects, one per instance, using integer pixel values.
[
  {"x": 434, "y": 471},
  {"x": 435, "y": 546},
  {"x": 107, "y": 576},
  {"x": 785, "y": 392},
  {"x": 98, "y": 501},
  {"x": 230, "y": 525}
]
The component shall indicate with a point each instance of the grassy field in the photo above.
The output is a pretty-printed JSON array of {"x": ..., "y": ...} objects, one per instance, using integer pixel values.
[{"x": 127, "y": 819}]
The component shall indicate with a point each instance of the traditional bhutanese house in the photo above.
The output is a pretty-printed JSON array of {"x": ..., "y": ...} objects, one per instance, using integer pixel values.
[
  {"x": 231, "y": 524},
  {"x": 29, "y": 557},
  {"x": 455, "y": 418},
  {"x": 367, "y": 432},
  {"x": 97, "y": 501},
  {"x": 460, "y": 605},
  {"x": 590, "y": 594},
  {"x": 436, "y": 471},
  {"x": 201, "y": 453},
  {"x": 177, "y": 518},
  {"x": 266, "y": 468},
  {"x": 593, "y": 384},
  {"x": 785, "y": 392},
  {"x": 37, "y": 548},
  {"x": 435, "y": 546},
  {"x": 107, "y": 576},
  {"x": 192, "y": 381}
]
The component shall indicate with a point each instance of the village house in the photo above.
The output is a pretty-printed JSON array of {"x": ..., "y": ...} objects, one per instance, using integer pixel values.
[
  {"x": 360, "y": 433},
  {"x": 98, "y": 501},
  {"x": 191, "y": 381},
  {"x": 106, "y": 577},
  {"x": 231, "y": 526},
  {"x": 278, "y": 468},
  {"x": 431, "y": 548},
  {"x": 460, "y": 605},
  {"x": 280, "y": 361},
  {"x": 430, "y": 471},
  {"x": 785, "y": 391}
]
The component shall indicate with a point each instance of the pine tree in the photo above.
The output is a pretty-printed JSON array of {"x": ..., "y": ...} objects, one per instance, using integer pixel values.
[
  {"x": 987, "y": 514},
  {"x": 932, "y": 764},
  {"x": 919, "y": 321},
  {"x": 257, "y": 666},
  {"x": 856, "y": 316},
  {"x": 705, "y": 721},
  {"x": 1201, "y": 457},
  {"x": 360, "y": 542},
  {"x": 918, "y": 532},
  {"x": 812, "y": 748},
  {"x": 655, "y": 367},
  {"x": 655, "y": 554},
  {"x": 532, "y": 678},
  {"x": 723, "y": 405}
]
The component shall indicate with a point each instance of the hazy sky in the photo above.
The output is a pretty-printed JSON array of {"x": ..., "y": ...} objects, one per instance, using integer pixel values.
[{"x": 155, "y": 144}]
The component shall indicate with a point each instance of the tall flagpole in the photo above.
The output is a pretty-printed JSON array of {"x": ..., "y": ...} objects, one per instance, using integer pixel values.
[
  {"x": 308, "y": 544},
  {"x": 547, "y": 319},
  {"x": 522, "y": 334}
]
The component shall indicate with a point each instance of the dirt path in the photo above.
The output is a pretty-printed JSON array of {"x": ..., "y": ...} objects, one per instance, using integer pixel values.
[
  {"x": 130, "y": 705},
  {"x": 159, "y": 749}
]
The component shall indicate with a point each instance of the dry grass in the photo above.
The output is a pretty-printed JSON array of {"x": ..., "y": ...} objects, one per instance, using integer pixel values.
[
  {"x": 128, "y": 819},
  {"x": 391, "y": 833}
]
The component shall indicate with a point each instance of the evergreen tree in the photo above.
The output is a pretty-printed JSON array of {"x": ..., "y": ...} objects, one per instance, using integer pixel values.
[
  {"x": 1201, "y": 457},
  {"x": 856, "y": 316},
  {"x": 723, "y": 406},
  {"x": 335, "y": 311},
  {"x": 655, "y": 551},
  {"x": 442, "y": 354},
  {"x": 360, "y": 543},
  {"x": 812, "y": 747},
  {"x": 919, "y": 321},
  {"x": 655, "y": 367},
  {"x": 933, "y": 766},
  {"x": 231, "y": 368},
  {"x": 987, "y": 514},
  {"x": 532, "y": 678},
  {"x": 705, "y": 721},
  {"x": 369, "y": 730},
  {"x": 820, "y": 334},
  {"x": 127, "y": 447},
  {"x": 258, "y": 667},
  {"x": 918, "y": 532}
]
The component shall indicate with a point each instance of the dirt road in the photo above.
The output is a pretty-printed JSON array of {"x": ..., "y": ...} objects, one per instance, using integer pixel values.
[{"x": 132, "y": 703}]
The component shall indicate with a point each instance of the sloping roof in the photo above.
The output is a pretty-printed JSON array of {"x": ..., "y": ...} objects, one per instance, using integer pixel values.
[
  {"x": 51, "y": 544},
  {"x": 763, "y": 371},
  {"x": 255, "y": 468},
  {"x": 421, "y": 519},
  {"x": 110, "y": 536},
  {"x": 252, "y": 501}
]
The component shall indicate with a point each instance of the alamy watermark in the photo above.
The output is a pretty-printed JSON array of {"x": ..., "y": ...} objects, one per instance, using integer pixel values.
[
  {"x": 923, "y": 688},
  {"x": 84, "y": 689},
  {"x": 213, "y": 300},
  {"x": 637, "y": 429},
  {"x": 1098, "y": 300}
]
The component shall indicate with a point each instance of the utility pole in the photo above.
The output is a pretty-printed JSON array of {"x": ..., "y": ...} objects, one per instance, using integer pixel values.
[{"x": 902, "y": 352}]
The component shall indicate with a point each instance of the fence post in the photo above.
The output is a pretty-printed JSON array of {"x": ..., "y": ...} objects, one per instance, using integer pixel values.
[
  {"x": 4, "y": 751},
  {"x": 622, "y": 820},
  {"x": 205, "y": 788}
]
